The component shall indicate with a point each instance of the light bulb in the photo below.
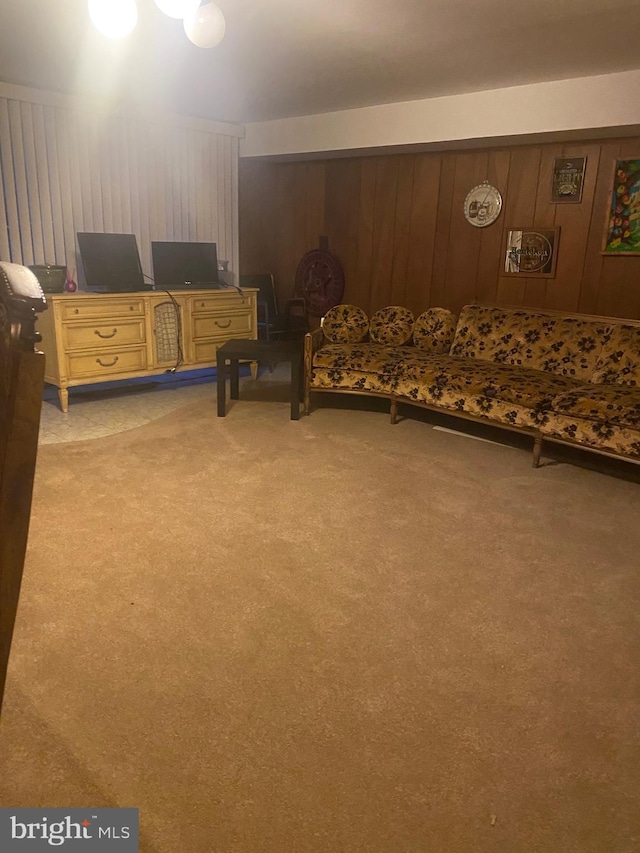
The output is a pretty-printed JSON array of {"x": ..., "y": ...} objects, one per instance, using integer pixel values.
[
  {"x": 114, "y": 18},
  {"x": 205, "y": 26},
  {"x": 177, "y": 8}
]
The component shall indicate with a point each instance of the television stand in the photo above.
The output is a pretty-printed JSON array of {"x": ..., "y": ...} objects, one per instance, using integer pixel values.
[{"x": 100, "y": 337}]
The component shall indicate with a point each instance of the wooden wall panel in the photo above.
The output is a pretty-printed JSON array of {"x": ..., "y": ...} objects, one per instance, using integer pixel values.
[
  {"x": 464, "y": 240},
  {"x": 359, "y": 291},
  {"x": 422, "y": 231},
  {"x": 490, "y": 259},
  {"x": 396, "y": 223},
  {"x": 519, "y": 212}
]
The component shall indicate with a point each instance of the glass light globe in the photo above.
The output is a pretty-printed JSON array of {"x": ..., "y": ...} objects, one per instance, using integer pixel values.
[
  {"x": 177, "y": 8},
  {"x": 115, "y": 19},
  {"x": 205, "y": 27}
]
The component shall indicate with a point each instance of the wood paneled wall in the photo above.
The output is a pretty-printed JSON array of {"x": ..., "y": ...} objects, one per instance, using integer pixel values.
[{"x": 396, "y": 223}]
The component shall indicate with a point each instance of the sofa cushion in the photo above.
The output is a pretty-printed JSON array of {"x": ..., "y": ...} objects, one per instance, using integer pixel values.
[
  {"x": 613, "y": 404},
  {"x": 366, "y": 357},
  {"x": 392, "y": 325},
  {"x": 600, "y": 435},
  {"x": 351, "y": 380},
  {"x": 502, "y": 392},
  {"x": 345, "y": 324},
  {"x": 554, "y": 344},
  {"x": 489, "y": 334},
  {"x": 434, "y": 329},
  {"x": 619, "y": 360}
]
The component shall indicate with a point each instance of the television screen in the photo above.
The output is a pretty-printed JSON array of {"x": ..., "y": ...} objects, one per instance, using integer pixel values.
[
  {"x": 179, "y": 265},
  {"x": 111, "y": 262}
]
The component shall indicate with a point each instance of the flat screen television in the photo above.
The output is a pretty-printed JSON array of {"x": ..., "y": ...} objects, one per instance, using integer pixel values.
[
  {"x": 111, "y": 262},
  {"x": 182, "y": 265}
]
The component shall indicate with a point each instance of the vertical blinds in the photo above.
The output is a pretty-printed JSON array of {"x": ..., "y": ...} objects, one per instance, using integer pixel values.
[{"x": 66, "y": 170}]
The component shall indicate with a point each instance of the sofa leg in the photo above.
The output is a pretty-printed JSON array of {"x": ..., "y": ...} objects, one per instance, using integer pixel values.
[
  {"x": 537, "y": 450},
  {"x": 307, "y": 401},
  {"x": 394, "y": 410}
]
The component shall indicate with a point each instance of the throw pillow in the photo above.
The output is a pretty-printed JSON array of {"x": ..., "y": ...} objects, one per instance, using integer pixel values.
[
  {"x": 434, "y": 330},
  {"x": 392, "y": 326},
  {"x": 345, "y": 324}
]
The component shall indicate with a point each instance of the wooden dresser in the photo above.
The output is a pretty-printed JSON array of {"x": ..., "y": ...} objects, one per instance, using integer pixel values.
[{"x": 88, "y": 337}]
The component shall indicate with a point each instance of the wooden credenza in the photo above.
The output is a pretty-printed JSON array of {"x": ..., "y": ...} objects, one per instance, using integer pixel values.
[{"x": 89, "y": 337}]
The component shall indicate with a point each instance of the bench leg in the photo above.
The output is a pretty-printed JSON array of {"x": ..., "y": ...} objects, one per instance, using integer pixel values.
[{"x": 537, "y": 450}]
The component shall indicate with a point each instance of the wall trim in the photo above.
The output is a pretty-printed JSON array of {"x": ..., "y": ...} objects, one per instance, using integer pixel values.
[{"x": 584, "y": 104}]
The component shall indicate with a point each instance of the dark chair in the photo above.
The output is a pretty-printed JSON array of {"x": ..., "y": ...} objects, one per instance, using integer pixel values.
[
  {"x": 21, "y": 384},
  {"x": 272, "y": 323}
]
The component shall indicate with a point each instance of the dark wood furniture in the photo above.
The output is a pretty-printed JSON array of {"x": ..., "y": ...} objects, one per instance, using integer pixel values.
[
  {"x": 21, "y": 385},
  {"x": 262, "y": 352},
  {"x": 274, "y": 324}
]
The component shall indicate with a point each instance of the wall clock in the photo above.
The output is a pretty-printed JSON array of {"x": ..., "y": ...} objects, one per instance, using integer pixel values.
[{"x": 482, "y": 205}]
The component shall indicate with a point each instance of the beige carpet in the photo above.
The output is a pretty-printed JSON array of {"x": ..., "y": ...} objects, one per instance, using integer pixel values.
[{"x": 329, "y": 635}]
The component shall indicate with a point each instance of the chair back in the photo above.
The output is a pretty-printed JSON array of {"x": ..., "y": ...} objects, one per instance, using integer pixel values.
[
  {"x": 21, "y": 384},
  {"x": 266, "y": 290}
]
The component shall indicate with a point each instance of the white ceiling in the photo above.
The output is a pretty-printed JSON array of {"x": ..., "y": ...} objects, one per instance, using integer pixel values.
[{"x": 296, "y": 57}]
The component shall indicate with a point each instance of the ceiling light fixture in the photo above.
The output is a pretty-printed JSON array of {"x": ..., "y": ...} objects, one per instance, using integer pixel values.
[
  {"x": 114, "y": 18},
  {"x": 177, "y": 8},
  {"x": 205, "y": 26}
]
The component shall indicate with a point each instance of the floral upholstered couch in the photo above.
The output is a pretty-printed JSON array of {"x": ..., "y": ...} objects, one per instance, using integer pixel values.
[{"x": 565, "y": 378}]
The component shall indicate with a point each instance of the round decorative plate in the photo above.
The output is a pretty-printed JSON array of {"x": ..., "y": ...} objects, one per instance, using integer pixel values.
[
  {"x": 482, "y": 205},
  {"x": 320, "y": 279}
]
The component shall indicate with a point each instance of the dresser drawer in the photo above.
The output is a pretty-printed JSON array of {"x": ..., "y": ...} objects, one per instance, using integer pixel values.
[
  {"x": 118, "y": 333},
  {"x": 221, "y": 325},
  {"x": 219, "y": 302},
  {"x": 100, "y": 307},
  {"x": 205, "y": 351},
  {"x": 106, "y": 362}
]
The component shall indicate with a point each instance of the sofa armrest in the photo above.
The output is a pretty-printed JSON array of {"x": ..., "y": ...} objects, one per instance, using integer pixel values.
[{"x": 312, "y": 342}]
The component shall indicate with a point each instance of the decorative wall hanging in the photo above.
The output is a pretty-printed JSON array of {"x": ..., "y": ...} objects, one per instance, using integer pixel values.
[
  {"x": 482, "y": 205},
  {"x": 568, "y": 179},
  {"x": 320, "y": 279},
  {"x": 531, "y": 252},
  {"x": 622, "y": 226}
]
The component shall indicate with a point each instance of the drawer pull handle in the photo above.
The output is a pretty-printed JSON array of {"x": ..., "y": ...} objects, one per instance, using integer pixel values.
[
  {"x": 76, "y": 311},
  {"x": 104, "y": 337},
  {"x": 222, "y": 325},
  {"x": 102, "y": 364}
]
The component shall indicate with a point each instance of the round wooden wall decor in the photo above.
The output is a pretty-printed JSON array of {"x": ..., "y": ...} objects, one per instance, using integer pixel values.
[{"x": 320, "y": 279}]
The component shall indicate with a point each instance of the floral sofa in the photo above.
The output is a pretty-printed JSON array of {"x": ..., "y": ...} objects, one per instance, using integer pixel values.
[{"x": 564, "y": 378}]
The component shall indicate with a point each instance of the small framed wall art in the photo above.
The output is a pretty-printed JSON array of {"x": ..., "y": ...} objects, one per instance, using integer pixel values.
[
  {"x": 622, "y": 225},
  {"x": 531, "y": 252},
  {"x": 568, "y": 179}
]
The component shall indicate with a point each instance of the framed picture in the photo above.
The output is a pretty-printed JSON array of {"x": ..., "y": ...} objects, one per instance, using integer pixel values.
[
  {"x": 622, "y": 226},
  {"x": 531, "y": 252},
  {"x": 567, "y": 179}
]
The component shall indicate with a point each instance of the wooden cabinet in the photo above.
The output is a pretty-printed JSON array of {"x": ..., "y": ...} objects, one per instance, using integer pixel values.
[{"x": 90, "y": 337}]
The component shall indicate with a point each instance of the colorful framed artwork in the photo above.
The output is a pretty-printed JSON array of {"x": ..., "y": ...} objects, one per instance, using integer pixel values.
[
  {"x": 531, "y": 252},
  {"x": 568, "y": 179},
  {"x": 622, "y": 226}
]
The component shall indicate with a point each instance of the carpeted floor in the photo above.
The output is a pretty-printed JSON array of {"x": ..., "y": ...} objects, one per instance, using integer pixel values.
[{"x": 329, "y": 635}]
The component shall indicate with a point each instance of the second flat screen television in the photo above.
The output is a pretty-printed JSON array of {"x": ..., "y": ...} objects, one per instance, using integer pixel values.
[{"x": 181, "y": 266}]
